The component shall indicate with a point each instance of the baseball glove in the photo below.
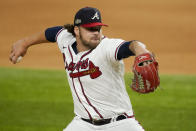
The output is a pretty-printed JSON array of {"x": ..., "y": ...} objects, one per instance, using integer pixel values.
[{"x": 146, "y": 78}]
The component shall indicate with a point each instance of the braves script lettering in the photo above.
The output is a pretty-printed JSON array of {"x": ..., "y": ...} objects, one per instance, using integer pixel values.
[{"x": 93, "y": 70}]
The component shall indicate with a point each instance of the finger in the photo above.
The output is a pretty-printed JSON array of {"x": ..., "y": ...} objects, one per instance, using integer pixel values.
[
  {"x": 14, "y": 58},
  {"x": 11, "y": 55}
]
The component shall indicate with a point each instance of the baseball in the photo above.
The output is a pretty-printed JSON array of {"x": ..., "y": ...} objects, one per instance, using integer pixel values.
[{"x": 19, "y": 59}]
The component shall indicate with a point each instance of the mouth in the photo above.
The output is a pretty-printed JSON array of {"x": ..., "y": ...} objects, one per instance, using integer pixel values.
[{"x": 95, "y": 37}]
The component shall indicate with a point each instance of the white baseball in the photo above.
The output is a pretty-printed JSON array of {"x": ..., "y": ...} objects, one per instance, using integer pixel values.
[{"x": 19, "y": 59}]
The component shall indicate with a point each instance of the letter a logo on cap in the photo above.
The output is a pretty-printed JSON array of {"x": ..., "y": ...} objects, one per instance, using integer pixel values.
[{"x": 95, "y": 16}]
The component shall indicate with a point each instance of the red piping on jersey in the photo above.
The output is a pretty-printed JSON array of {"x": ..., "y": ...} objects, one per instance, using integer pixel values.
[
  {"x": 64, "y": 60},
  {"x": 80, "y": 100},
  {"x": 81, "y": 83},
  {"x": 118, "y": 49},
  {"x": 58, "y": 33},
  {"x": 86, "y": 54},
  {"x": 83, "y": 88},
  {"x": 132, "y": 117},
  {"x": 63, "y": 57},
  {"x": 88, "y": 99},
  {"x": 76, "y": 91},
  {"x": 128, "y": 116}
]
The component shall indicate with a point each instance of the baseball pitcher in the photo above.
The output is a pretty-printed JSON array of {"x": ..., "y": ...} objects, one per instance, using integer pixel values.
[{"x": 95, "y": 71}]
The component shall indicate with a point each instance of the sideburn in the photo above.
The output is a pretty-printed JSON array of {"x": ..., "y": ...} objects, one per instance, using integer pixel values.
[{"x": 85, "y": 43}]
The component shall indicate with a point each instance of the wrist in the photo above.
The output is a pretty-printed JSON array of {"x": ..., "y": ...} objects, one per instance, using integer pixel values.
[
  {"x": 141, "y": 51},
  {"x": 138, "y": 48},
  {"x": 26, "y": 43}
]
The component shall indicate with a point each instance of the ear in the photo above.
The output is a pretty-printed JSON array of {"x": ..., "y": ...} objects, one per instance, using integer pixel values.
[{"x": 76, "y": 30}]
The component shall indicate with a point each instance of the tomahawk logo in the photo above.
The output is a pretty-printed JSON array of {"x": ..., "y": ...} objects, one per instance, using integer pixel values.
[{"x": 95, "y": 16}]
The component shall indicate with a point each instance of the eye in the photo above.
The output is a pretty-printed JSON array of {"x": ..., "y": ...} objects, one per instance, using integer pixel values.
[{"x": 94, "y": 29}]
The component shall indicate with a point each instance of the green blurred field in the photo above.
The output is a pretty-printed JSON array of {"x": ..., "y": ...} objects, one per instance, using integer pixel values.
[{"x": 40, "y": 100}]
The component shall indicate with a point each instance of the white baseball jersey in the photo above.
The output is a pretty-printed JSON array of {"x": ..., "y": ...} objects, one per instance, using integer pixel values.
[{"x": 96, "y": 78}]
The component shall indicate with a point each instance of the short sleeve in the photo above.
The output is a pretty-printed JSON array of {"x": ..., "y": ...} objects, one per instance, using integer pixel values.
[
  {"x": 64, "y": 38},
  {"x": 114, "y": 47},
  {"x": 50, "y": 33},
  {"x": 110, "y": 48},
  {"x": 124, "y": 51}
]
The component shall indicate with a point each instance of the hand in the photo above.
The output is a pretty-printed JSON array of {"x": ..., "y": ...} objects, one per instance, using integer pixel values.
[{"x": 18, "y": 49}]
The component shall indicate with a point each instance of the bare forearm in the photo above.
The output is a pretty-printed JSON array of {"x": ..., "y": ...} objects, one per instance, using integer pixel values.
[
  {"x": 138, "y": 48},
  {"x": 37, "y": 38}
]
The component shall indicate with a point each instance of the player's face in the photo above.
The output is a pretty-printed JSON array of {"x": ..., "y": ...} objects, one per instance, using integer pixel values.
[{"x": 91, "y": 36}]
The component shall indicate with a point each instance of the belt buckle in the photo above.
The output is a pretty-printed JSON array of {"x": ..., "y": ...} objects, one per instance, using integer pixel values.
[{"x": 93, "y": 122}]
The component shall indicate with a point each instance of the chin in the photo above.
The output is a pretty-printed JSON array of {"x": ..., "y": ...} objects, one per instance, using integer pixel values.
[{"x": 94, "y": 44}]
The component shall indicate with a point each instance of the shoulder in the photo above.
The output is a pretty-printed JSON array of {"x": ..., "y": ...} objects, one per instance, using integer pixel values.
[
  {"x": 63, "y": 34},
  {"x": 64, "y": 38},
  {"x": 111, "y": 41},
  {"x": 109, "y": 47}
]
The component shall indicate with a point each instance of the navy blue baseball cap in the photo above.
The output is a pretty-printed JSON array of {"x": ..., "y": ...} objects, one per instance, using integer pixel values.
[{"x": 88, "y": 17}]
